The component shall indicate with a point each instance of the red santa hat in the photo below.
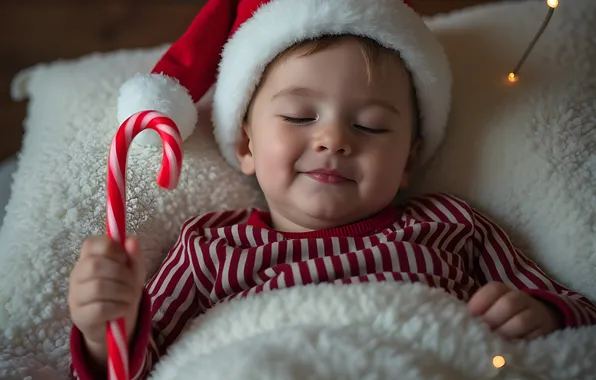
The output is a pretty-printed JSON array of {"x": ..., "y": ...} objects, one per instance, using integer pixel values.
[{"x": 241, "y": 37}]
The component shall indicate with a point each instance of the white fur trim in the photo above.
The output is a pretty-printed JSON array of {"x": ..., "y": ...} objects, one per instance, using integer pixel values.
[
  {"x": 157, "y": 92},
  {"x": 390, "y": 22}
]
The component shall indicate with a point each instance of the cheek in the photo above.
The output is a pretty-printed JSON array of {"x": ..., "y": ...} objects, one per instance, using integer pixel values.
[
  {"x": 385, "y": 165},
  {"x": 276, "y": 153}
]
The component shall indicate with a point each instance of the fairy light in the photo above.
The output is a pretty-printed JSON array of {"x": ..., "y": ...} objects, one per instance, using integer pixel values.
[
  {"x": 553, "y": 3},
  {"x": 514, "y": 75},
  {"x": 499, "y": 361}
]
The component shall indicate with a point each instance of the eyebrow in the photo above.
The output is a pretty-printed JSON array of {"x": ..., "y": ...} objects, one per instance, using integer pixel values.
[
  {"x": 298, "y": 91},
  {"x": 305, "y": 92},
  {"x": 386, "y": 105}
]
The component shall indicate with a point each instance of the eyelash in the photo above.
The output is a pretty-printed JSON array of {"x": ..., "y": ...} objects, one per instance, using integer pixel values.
[
  {"x": 301, "y": 121},
  {"x": 371, "y": 130},
  {"x": 298, "y": 120}
]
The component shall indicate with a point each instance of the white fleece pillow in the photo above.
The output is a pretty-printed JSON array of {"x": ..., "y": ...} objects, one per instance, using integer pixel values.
[{"x": 523, "y": 153}]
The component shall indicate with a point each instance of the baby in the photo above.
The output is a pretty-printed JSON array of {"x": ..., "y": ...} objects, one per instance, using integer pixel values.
[{"x": 334, "y": 127}]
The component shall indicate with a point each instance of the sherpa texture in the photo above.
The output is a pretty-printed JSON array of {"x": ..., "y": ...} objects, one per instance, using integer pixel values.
[
  {"x": 365, "y": 331},
  {"x": 59, "y": 198},
  {"x": 7, "y": 168},
  {"x": 523, "y": 153}
]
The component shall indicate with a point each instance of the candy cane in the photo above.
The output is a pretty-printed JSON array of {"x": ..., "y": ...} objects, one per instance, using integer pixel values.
[{"x": 116, "y": 206}]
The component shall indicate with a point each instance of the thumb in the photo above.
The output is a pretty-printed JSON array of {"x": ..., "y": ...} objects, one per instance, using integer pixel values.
[{"x": 136, "y": 258}]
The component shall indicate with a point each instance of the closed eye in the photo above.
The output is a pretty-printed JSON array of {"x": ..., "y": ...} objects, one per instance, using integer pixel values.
[
  {"x": 374, "y": 131},
  {"x": 298, "y": 120}
]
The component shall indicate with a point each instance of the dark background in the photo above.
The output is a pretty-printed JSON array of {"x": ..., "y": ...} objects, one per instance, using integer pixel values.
[{"x": 34, "y": 31}]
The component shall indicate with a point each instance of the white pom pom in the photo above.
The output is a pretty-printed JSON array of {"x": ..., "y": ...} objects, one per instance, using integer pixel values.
[{"x": 161, "y": 93}]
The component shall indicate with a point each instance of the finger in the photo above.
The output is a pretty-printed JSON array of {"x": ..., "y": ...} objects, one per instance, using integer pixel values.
[
  {"x": 137, "y": 260},
  {"x": 96, "y": 243},
  {"x": 537, "y": 333},
  {"x": 102, "y": 268},
  {"x": 131, "y": 245},
  {"x": 484, "y": 298},
  {"x": 87, "y": 244},
  {"x": 505, "y": 308},
  {"x": 520, "y": 325},
  {"x": 102, "y": 312},
  {"x": 103, "y": 291},
  {"x": 104, "y": 247}
]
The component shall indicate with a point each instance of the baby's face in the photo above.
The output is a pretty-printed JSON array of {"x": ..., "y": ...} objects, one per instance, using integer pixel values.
[{"x": 329, "y": 145}]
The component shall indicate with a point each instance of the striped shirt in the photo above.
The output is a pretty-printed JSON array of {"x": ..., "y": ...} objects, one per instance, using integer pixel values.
[{"x": 437, "y": 240}]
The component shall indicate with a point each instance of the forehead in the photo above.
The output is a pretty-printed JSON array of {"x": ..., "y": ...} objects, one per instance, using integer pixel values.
[{"x": 347, "y": 63}]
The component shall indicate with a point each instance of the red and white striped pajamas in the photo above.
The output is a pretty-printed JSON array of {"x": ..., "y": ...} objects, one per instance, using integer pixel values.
[{"x": 437, "y": 240}]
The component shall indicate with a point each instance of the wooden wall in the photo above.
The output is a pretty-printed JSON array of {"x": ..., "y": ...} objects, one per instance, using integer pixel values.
[{"x": 34, "y": 31}]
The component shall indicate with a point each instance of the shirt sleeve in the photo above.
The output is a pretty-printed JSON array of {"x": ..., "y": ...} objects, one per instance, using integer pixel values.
[
  {"x": 170, "y": 300},
  {"x": 497, "y": 260}
]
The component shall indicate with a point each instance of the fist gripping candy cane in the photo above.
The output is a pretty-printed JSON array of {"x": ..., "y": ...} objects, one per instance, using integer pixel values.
[{"x": 116, "y": 206}]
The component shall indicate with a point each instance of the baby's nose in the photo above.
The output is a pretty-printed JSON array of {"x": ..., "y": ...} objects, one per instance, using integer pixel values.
[{"x": 333, "y": 139}]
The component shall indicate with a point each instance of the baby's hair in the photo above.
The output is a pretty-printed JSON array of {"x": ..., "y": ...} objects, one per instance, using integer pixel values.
[{"x": 372, "y": 52}]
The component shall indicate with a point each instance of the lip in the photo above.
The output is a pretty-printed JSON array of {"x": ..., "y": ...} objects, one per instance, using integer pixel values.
[{"x": 327, "y": 176}]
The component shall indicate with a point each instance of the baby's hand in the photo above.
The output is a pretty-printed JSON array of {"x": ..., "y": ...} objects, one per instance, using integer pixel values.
[
  {"x": 105, "y": 284},
  {"x": 513, "y": 313}
]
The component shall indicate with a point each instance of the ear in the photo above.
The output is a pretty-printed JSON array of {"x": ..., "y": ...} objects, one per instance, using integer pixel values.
[
  {"x": 244, "y": 151},
  {"x": 411, "y": 164}
]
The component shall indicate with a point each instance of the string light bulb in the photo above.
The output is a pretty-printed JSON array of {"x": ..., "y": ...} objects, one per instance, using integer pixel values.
[
  {"x": 499, "y": 361},
  {"x": 514, "y": 75}
]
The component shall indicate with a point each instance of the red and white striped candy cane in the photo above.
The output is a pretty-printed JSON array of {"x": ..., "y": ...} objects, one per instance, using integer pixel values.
[{"x": 167, "y": 178}]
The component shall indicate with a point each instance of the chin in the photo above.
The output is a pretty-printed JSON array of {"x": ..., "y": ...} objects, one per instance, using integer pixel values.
[{"x": 330, "y": 213}]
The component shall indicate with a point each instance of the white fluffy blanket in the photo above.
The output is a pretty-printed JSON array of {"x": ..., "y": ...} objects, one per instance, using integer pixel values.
[{"x": 365, "y": 331}]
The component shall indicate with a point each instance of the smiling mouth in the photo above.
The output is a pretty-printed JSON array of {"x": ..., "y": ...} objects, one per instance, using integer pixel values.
[{"x": 328, "y": 176}]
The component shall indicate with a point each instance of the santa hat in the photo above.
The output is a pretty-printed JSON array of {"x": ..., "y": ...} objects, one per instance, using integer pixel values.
[{"x": 241, "y": 37}]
